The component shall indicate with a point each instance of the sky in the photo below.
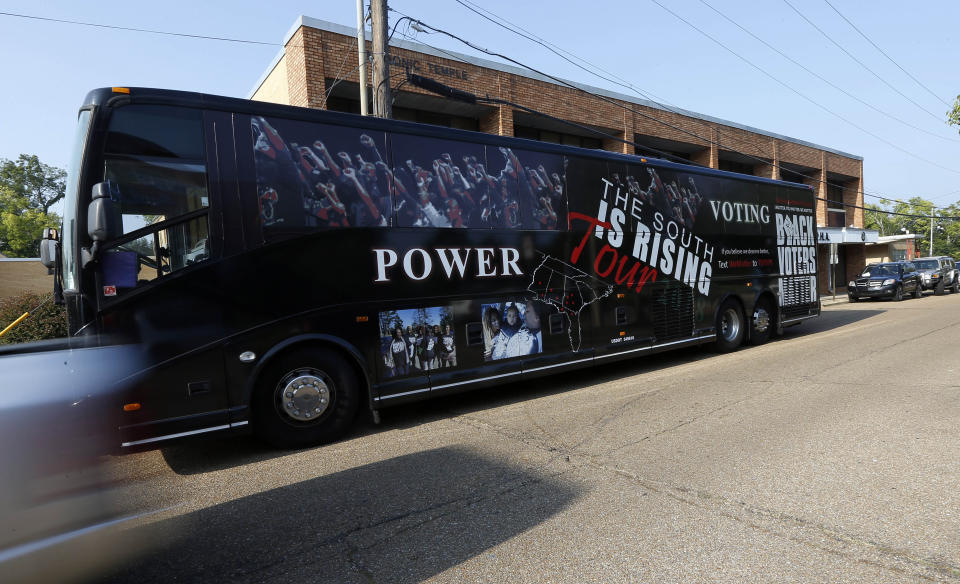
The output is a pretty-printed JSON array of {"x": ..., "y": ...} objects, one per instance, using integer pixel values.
[{"x": 907, "y": 147}]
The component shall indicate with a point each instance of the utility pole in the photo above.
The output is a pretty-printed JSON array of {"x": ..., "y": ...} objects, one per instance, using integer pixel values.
[
  {"x": 362, "y": 48},
  {"x": 382, "y": 106},
  {"x": 931, "y": 231}
]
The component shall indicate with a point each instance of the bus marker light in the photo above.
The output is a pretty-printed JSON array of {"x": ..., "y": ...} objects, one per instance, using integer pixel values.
[
  {"x": 247, "y": 356},
  {"x": 363, "y": 319},
  {"x": 621, "y": 295},
  {"x": 623, "y": 333},
  {"x": 121, "y": 90},
  {"x": 131, "y": 407}
]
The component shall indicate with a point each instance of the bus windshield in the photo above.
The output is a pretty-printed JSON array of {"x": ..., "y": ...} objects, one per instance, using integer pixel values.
[{"x": 69, "y": 239}]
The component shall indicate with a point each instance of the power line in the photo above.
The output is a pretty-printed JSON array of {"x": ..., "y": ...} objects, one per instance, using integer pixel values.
[
  {"x": 516, "y": 29},
  {"x": 610, "y": 136},
  {"x": 131, "y": 29},
  {"x": 796, "y": 91},
  {"x": 246, "y": 41},
  {"x": 616, "y": 103},
  {"x": 563, "y": 54},
  {"x": 889, "y": 58},
  {"x": 504, "y": 23},
  {"x": 861, "y": 63},
  {"x": 823, "y": 79}
]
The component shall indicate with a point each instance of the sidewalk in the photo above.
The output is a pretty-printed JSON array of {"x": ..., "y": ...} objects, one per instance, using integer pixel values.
[{"x": 827, "y": 300}]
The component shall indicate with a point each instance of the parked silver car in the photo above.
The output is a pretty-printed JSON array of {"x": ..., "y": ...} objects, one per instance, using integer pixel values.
[{"x": 939, "y": 274}]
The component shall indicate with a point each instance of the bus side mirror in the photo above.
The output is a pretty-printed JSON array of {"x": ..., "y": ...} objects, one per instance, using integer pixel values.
[
  {"x": 48, "y": 247},
  {"x": 48, "y": 253},
  {"x": 102, "y": 213},
  {"x": 102, "y": 220}
]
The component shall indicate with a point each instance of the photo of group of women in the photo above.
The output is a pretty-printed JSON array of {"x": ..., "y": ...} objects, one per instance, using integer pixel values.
[
  {"x": 511, "y": 329},
  {"x": 416, "y": 340},
  {"x": 318, "y": 175}
]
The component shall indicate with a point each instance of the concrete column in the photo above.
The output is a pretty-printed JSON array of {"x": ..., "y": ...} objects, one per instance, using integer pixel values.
[
  {"x": 627, "y": 134},
  {"x": 617, "y": 146},
  {"x": 853, "y": 195},
  {"x": 819, "y": 185},
  {"x": 709, "y": 156},
  {"x": 499, "y": 121}
]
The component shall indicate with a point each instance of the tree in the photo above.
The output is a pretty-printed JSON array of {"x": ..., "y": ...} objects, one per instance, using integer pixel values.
[
  {"x": 878, "y": 218},
  {"x": 946, "y": 230},
  {"x": 42, "y": 185},
  {"x": 953, "y": 116},
  {"x": 28, "y": 188}
]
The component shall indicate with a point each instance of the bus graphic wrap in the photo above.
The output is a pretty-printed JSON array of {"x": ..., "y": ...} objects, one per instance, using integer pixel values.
[{"x": 283, "y": 268}]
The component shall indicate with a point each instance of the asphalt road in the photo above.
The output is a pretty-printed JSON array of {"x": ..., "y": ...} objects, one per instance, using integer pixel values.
[{"x": 828, "y": 455}]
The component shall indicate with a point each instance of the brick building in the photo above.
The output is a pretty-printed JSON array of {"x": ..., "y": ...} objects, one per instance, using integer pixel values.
[{"x": 317, "y": 68}]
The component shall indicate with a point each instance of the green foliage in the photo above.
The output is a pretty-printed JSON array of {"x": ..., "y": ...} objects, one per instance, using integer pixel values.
[
  {"x": 27, "y": 190},
  {"x": 946, "y": 231},
  {"x": 40, "y": 184},
  {"x": 49, "y": 321},
  {"x": 953, "y": 116}
]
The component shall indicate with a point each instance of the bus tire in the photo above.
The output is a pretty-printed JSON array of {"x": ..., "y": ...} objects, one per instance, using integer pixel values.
[
  {"x": 730, "y": 325},
  {"x": 307, "y": 396},
  {"x": 762, "y": 323}
]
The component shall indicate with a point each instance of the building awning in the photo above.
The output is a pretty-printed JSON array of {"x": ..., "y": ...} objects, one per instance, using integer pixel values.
[{"x": 849, "y": 235}]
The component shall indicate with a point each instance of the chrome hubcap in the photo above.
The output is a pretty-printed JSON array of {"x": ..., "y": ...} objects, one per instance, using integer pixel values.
[
  {"x": 761, "y": 320},
  {"x": 730, "y": 325},
  {"x": 304, "y": 395}
]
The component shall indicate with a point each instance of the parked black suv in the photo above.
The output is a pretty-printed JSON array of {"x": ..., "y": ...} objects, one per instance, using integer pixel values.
[
  {"x": 890, "y": 279},
  {"x": 939, "y": 274}
]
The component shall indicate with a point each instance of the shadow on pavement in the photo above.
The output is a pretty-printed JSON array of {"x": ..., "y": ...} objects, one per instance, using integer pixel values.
[
  {"x": 405, "y": 519},
  {"x": 219, "y": 452},
  {"x": 833, "y": 319}
]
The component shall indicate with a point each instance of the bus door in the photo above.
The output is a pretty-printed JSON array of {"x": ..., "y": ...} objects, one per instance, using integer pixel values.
[{"x": 155, "y": 280}]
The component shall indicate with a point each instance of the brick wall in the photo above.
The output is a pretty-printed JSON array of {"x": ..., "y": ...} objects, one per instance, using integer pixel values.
[{"x": 312, "y": 55}]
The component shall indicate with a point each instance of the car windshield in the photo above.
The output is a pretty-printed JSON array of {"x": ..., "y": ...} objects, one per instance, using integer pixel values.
[
  {"x": 926, "y": 264},
  {"x": 881, "y": 270}
]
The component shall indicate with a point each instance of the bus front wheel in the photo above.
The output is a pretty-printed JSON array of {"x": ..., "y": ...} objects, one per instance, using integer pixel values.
[
  {"x": 306, "y": 397},
  {"x": 730, "y": 324}
]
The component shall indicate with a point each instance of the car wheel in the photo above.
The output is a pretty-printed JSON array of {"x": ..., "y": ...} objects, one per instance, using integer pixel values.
[
  {"x": 306, "y": 397},
  {"x": 762, "y": 323},
  {"x": 898, "y": 293},
  {"x": 940, "y": 289},
  {"x": 956, "y": 286},
  {"x": 917, "y": 291},
  {"x": 852, "y": 298},
  {"x": 729, "y": 326}
]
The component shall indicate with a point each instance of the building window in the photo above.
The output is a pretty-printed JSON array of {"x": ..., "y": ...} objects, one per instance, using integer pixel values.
[
  {"x": 836, "y": 211},
  {"x": 731, "y": 166},
  {"x": 556, "y": 137}
]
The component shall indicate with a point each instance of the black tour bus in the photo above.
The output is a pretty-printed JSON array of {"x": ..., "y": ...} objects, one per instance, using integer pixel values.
[{"x": 281, "y": 268}]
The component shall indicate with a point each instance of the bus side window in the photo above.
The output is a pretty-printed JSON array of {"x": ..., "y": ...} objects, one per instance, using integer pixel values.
[
  {"x": 541, "y": 190},
  {"x": 440, "y": 183},
  {"x": 154, "y": 157},
  {"x": 316, "y": 176}
]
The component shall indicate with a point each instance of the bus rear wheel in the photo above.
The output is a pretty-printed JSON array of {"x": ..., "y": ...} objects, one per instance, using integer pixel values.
[
  {"x": 729, "y": 326},
  {"x": 306, "y": 397},
  {"x": 762, "y": 323}
]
